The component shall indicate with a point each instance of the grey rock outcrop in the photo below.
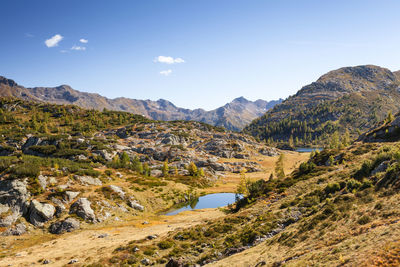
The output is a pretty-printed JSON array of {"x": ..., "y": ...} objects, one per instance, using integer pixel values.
[
  {"x": 17, "y": 230},
  {"x": 88, "y": 180},
  {"x": 135, "y": 205},
  {"x": 13, "y": 199},
  {"x": 108, "y": 156},
  {"x": 59, "y": 206},
  {"x": 381, "y": 167},
  {"x": 268, "y": 151},
  {"x": 117, "y": 190},
  {"x": 67, "y": 225},
  {"x": 70, "y": 196},
  {"x": 82, "y": 208},
  {"x": 39, "y": 213},
  {"x": 42, "y": 181}
]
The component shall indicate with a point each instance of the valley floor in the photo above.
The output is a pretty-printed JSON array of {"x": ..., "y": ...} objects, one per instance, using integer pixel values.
[{"x": 86, "y": 246}]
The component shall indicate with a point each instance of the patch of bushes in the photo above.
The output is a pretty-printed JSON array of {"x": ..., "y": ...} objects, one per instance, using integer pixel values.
[
  {"x": 353, "y": 185},
  {"x": 306, "y": 167},
  {"x": 69, "y": 152},
  {"x": 166, "y": 244},
  {"x": 25, "y": 169},
  {"x": 45, "y": 150},
  {"x": 332, "y": 188}
]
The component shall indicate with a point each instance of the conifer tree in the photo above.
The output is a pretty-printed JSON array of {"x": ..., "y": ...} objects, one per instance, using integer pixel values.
[
  {"x": 192, "y": 168},
  {"x": 165, "y": 168},
  {"x": 280, "y": 173}
]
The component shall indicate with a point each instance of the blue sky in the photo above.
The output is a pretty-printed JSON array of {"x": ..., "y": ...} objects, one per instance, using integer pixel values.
[{"x": 219, "y": 49}]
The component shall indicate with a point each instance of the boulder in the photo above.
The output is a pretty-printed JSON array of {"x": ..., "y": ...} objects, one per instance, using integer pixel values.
[
  {"x": 31, "y": 141},
  {"x": 268, "y": 151},
  {"x": 117, "y": 190},
  {"x": 42, "y": 181},
  {"x": 81, "y": 157},
  {"x": 171, "y": 139},
  {"x": 18, "y": 229},
  {"x": 39, "y": 213},
  {"x": 88, "y": 180},
  {"x": 82, "y": 208},
  {"x": 381, "y": 167},
  {"x": 13, "y": 199},
  {"x": 70, "y": 196},
  {"x": 59, "y": 206},
  {"x": 67, "y": 225},
  {"x": 218, "y": 166},
  {"x": 175, "y": 263},
  {"x": 135, "y": 205},
  {"x": 108, "y": 156},
  {"x": 121, "y": 147}
]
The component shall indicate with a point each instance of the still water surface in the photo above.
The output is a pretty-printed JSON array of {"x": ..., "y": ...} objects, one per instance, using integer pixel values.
[
  {"x": 207, "y": 201},
  {"x": 308, "y": 149}
]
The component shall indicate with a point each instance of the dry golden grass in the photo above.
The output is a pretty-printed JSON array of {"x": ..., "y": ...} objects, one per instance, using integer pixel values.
[{"x": 84, "y": 243}]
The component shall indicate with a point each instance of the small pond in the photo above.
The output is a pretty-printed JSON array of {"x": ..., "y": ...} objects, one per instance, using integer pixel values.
[
  {"x": 207, "y": 201},
  {"x": 308, "y": 149}
]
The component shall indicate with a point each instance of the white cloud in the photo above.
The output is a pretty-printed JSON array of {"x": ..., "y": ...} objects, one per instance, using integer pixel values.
[
  {"x": 78, "y": 48},
  {"x": 166, "y": 72},
  {"x": 64, "y": 51},
  {"x": 179, "y": 60},
  {"x": 29, "y": 35},
  {"x": 84, "y": 41},
  {"x": 53, "y": 41},
  {"x": 168, "y": 60}
]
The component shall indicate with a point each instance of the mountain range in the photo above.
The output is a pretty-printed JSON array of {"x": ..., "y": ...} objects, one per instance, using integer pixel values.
[{"x": 232, "y": 116}]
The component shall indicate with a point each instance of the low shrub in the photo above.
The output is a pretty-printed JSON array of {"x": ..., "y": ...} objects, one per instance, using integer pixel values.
[
  {"x": 166, "y": 244},
  {"x": 364, "y": 219},
  {"x": 332, "y": 188}
]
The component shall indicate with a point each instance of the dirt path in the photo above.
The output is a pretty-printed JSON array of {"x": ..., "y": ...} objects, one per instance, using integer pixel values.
[{"x": 86, "y": 246}]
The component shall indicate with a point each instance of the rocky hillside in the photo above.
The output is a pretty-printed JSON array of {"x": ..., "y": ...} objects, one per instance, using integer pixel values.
[
  {"x": 351, "y": 99},
  {"x": 63, "y": 166},
  {"x": 389, "y": 131},
  {"x": 232, "y": 116},
  {"x": 339, "y": 208}
]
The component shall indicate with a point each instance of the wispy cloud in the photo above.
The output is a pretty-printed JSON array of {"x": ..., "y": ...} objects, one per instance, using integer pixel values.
[
  {"x": 84, "y": 41},
  {"x": 28, "y": 35},
  {"x": 64, "y": 51},
  {"x": 53, "y": 41},
  {"x": 166, "y": 72},
  {"x": 168, "y": 60},
  {"x": 78, "y": 48}
]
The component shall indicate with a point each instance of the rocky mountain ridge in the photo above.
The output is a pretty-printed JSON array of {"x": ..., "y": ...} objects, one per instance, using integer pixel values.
[
  {"x": 351, "y": 99},
  {"x": 233, "y": 116}
]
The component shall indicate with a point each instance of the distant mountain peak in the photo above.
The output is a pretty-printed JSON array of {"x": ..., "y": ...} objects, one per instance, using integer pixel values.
[
  {"x": 241, "y": 100},
  {"x": 6, "y": 81}
]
